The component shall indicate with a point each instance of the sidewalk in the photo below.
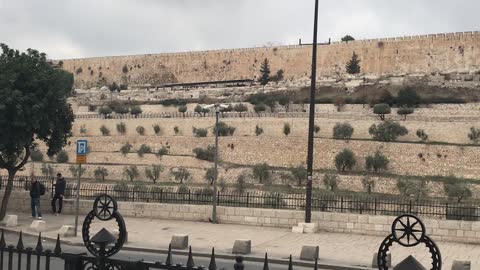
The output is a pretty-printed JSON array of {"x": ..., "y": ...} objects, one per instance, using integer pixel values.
[{"x": 343, "y": 249}]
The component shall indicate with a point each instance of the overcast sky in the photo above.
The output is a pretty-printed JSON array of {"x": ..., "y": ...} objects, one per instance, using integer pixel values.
[{"x": 73, "y": 28}]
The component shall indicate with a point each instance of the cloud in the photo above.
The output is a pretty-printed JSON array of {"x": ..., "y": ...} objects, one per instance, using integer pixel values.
[{"x": 72, "y": 28}]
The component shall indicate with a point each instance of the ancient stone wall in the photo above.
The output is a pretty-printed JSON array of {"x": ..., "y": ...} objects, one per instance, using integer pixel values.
[{"x": 412, "y": 54}]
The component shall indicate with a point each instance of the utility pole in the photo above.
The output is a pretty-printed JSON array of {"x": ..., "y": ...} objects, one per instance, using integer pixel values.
[
  {"x": 215, "y": 191},
  {"x": 311, "y": 122},
  {"x": 77, "y": 199}
]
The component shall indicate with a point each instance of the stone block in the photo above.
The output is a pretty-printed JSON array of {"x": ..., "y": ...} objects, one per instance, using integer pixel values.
[
  {"x": 297, "y": 229},
  {"x": 66, "y": 231},
  {"x": 179, "y": 241},
  {"x": 308, "y": 225},
  {"x": 242, "y": 246},
  {"x": 310, "y": 230},
  {"x": 10, "y": 221},
  {"x": 461, "y": 265},
  {"x": 309, "y": 253},
  {"x": 38, "y": 226},
  {"x": 375, "y": 260}
]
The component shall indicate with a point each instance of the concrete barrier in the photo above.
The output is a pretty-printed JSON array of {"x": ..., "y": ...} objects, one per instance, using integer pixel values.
[
  {"x": 179, "y": 241},
  {"x": 38, "y": 226},
  {"x": 309, "y": 253},
  {"x": 461, "y": 265},
  {"x": 10, "y": 221},
  {"x": 67, "y": 231},
  {"x": 242, "y": 246},
  {"x": 297, "y": 229}
]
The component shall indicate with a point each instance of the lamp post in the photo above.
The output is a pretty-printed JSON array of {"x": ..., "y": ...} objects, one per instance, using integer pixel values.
[{"x": 311, "y": 122}]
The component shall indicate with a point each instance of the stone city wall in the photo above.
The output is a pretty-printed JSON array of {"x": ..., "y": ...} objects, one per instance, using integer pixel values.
[{"x": 413, "y": 54}]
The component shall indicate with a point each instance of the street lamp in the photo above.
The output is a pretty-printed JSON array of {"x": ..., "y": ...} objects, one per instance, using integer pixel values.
[
  {"x": 218, "y": 108},
  {"x": 311, "y": 122}
]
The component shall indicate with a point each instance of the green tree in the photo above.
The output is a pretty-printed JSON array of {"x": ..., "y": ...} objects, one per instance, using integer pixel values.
[
  {"x": 412, "y": 188},
  {"x": 422, "y": 135},
  {"x": 100, "y": 173},
  {"x": 33, "y": 107},
  {"x": 62, "y": 156},
  {"x": 162, "y": 152},
  {"x": 342, "y": 131},
  {"x": 455, "y": 188},
  {"x": 122, "y": 128},
  {"x": 258, "y": 108},
  {"x": 347, "y": 38},
  {"x": 241, "y": 183},
  {"x": 368, "y": 184},
  {"x": 474, "y": 135},
  {"x": 205, "y": 154},
  {"x": 198, "y": 109},
  {"x": 176, "y": 130},
  {"x": 407, "y": 97},
  {"x": 105, "y": 110},
  {"x": 181, "y": 174},
  {"x": 286, "y": 129},
  {"x": 104, "y": 130},
  {"x": 299, "y": 173},
  {"x": 316, "y": 129},
  {"x": 331, "y": 182},
  {"x": 376, "y": 162},
  {"x": 153, "y": 172},
  {"x": 131, "y": 172},
  {"x": 381, "y": 110},
  {"x": 140, "y": 130},
  {"x": 210, "y": 175},
  {"x": 224, "y": 129},
  {"x": 136, "y": 110},
  {"x": 200, "y": 132},
  {"x": 264, "y": 72},
  {"x": 345, "y": 160},
  {"x": 114, "y": 87},
  {"x": 387, "y": 131},
  {"x": 83, "y": 130},
  {"x": 353, "y": 66},
  {"x": 405, "y": 112},
  {"x": 182, "y": 109},
  {"x": 261, "y": 172},
  {"x": 126, "y": 148},
  {"x": 240, "y": 107},
  {"x": 157, "y": 129},
  {"x": 144, "y": 149},
  {"x": 258, "y": 130},
  {"x": 74, "y": 170}
]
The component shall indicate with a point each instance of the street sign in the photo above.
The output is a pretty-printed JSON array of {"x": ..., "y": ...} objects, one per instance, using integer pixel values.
[
  {"x": 81, "y": 159},
  {"x": 82, "y": 147}
]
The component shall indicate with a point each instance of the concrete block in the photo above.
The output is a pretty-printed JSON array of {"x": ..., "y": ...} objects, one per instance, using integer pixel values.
[
  {"x": 375, "y": 261},
  {"x": 10, "y": 221},
  {"x": 242, "y": 246},
  {"x": 66, "y": 231},
  {"x": 297, "y": 229},
  {"x": 308, "y": 225},
  {"x": 38, "y": 226},
  {"x": 179, "y": 241},
  {"x": 309, "y": 253},
  {"x": 310, "y": 230},
  {"x": 461, "y": 265}
]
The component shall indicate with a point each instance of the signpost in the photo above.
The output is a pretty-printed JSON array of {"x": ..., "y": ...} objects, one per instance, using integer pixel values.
[{"x": 82, "y": 150}]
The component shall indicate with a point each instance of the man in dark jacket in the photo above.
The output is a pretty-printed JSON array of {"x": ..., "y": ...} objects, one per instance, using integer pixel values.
[
  {"x": 58, "y": 195},
  {"x": 35, "y": 193}
]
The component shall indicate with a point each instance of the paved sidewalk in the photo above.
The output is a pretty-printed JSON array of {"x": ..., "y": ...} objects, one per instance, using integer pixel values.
[{"x": 344, "y": 249}]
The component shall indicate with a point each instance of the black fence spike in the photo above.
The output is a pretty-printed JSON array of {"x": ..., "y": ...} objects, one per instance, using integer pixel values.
[
  {"x": 3, "y": 244},
  {"x": 213, "y": 264},
  {"x": 20, "y": 241},
  {"x": 58, "y": 249},
  {"x": 290, "y": 263},
  {"x": 316, "y": 264},
  {"x": 169, "y": 255},
  {"x": 190, "y": 262},
  {"x": 265, "y": 263},
  {"x": 39, "y": 246}
]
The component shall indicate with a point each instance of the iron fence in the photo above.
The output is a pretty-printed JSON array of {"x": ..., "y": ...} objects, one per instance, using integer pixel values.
[{"x": 361, "y": 204}]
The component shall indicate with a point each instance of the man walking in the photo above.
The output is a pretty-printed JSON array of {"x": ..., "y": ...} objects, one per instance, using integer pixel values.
[
  {"x": 59, "y": 193},
  {"x": 36, "y": 190}
]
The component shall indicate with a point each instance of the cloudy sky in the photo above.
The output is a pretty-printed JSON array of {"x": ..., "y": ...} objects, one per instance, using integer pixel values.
[{"x": 74, "y": 29}]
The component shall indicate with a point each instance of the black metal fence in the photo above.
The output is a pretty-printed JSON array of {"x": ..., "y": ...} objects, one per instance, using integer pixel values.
[{"x": 371, "y": 204}]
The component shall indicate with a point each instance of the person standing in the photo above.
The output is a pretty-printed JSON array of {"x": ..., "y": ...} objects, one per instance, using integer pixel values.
[
  {"x": 58, "y": 195},
  {"x": 37, "y": 189}
]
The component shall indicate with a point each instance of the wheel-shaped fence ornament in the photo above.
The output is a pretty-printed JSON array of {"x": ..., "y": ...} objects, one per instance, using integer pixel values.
[
  {"x": 104, "y": 208},
  {"x": 408, "y": 231}
]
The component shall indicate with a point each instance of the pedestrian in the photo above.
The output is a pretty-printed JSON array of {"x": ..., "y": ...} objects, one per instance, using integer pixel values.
[
  {"x": 37, "y": 189},
  {"x": 58, "y": 195}
]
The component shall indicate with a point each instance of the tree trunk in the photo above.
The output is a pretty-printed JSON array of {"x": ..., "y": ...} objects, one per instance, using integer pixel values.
[{"x": 8, "y": 192}]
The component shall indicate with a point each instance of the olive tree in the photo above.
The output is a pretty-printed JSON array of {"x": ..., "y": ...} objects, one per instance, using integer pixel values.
[
  {"x": 381, "y": 110},
  {"x": 153, "y": 172},
  {"x": 376, "y": 162},
  {"x": 345, "y": 160},
  {"x": 387, "y": 131}
]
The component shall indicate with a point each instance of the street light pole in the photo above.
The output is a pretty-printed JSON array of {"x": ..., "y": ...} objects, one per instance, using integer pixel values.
[
  {"x": 214, "y": 209},
  {"x": 311, "y": 122}
]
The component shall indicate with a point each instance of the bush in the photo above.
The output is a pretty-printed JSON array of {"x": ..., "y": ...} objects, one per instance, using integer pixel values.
[
  {"x": 387, "y": 131},
  {"x": 74, "y": 170},
  {"x": 258, "y": 108},
  {"x": 345, "y": 160},
  {"x": 455, "y": 188},
  {"x": 83, "y": 130},
  {"x": 261, "y": 172},
  {"x": 162, "y": 152},
  {"x": 241, "y": 183},
  {"x": 405, "y": 112},
  {"x": 181, "y": 174},
  {"x": 316, "y": 129},
  {"x": 100, "y": 173},
  {"x": 92, "y": 108},
  {"x": 122, "y": 128},
  {"x": 258, "y": 130},
  {"x": 135, "y": 110},
  {"x": 131, "y": 172},
  {"x": 240, "y": 108},
  {"x": 331, "y": 182},
  {"x": 182, "y": 109},
  {"x": 173, "y": 102},
  {"x": 412, "y": 188},
  {"x": 422, "y": 135},
  {"x": 105, "y": 110},
  {"x": 144, "y": 149},
  {"x": 376, "y": 162},
  {"x": 157, "y": 129},
  {"x": 120, "y": 109},
  {"x": 224, "y": 129},
  {"x": 299, "y": 173},
  {"x": 474, "y": 135},
  {"x": 210, "y": 175},
  {"x": 368, "y": 184},
  {"x": 205, "y": 154},
  {"x": 353, "y": 65},
  {"x": 286, "y": 129},
  {"x": 140, "y": 130},
  {"x": 408, "y": 97},
  {"x": 381, "y": 110},
  {"x": 385, "y": 97},
  {"x": 62, "y": 157},
  {"x": 104, "y": 130},
  {"x": 342, "y": 131},
  {"x": 176, "y": 130},
  {"x": 36, "y": 155},
  {"x": 153, "y": 172},
  {"x": 113, "y": 87},
  {"x": 200, "y": 132},
  {"x": 126, "y": 148},
  {"x": 125, "y": 69}
]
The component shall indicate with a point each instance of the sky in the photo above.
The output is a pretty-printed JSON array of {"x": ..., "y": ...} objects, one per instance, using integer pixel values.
[{"x": 75, "y": 29}]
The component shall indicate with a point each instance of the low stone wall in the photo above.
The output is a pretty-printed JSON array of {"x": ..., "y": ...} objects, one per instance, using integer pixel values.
[{"x": 440, "y": 230}]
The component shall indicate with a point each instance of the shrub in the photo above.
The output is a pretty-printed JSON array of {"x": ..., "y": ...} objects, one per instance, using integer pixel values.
[
  {"x": 422, "y": 135},
  {"x": 144, "y": 149},
  {"x": 140, "y": 130},
  {"x": 173, "y": 102},
  {"x": 387, "y": 131},
  {"x": 455, "y": 188},
  {"x": 157, "y": 129},
  {"x": 261, "y": 172},
  {"x": 126, "y": 148},
  {"x": 131, "y": 172},
  {"x": 385, "y": 97},
  {"x": 182, "y": 109},
  {"x": 408, "y": 97},
  {"x": 353, "y": 66},
  {"x": 105, "y": 110},
  {"x": 345, "y": 160},
  {"x": 205, "y": 154},
  {"x": 100, "y": 173},
  {"x": 153, "y": 172},
  {"x": 412, "y": 188},
  {"x": 47, "y": 170},
  {"x": 258, "y": 130},
  {"x": 222, "y": 185},
  {"x": 135, "y": 110},
  {"x": 200, "y": 132},
  {"x": 74, "y": 170},
  {"x": 181, "y": 174},
  {"x": 299, "y": 173},
  {"x": 92, "y": 108},
  {"x": 176, "y": 130},
  {"x": 368, "y": 184},
  {"x": 286, "y": 129},
  {"x": 405, "y": 112},
  {"x": 240, "y": 108},
  {"x": 104, "y": 130},
  {"x": 113, "y": 87},
  {"x": 342, "y": 131},
  {"x": 83, "y": 130},
  {"x": 376, "y": 162},
  {"x": 79, "y": 70},
  {"x": 474, "y": 135},
  {"x": 210, "y": 175},
  {"x": 162, "y": 152},
  {"x": 122, "y": 128},
  {"x": 125, "y": 69},
  {"x": 36, "y": 155},
  {"x": 316, "y": 129},
  {"x": 241, "y": 183},
  {"x": 224, "y": 129},
  {"x": 62, "y": 157},
  {"x": 381, "y": 110},
  {"x": 120, "y": 109},
  {"x": 331, "y": 182},
  {"x": 258, "y": 108},
  {"x": 198, "y": 109}
]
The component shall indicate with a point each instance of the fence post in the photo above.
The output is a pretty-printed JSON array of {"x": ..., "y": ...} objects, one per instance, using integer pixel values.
[
  {"x": 218, "y": 197},
  {"x": 161, "y": 194},
  {"x": 278, "y": 201},
  {"x": 189, "y": 196},
  {"x": 133, "y": 195},
  {"x": 375, "y": 206},
  {"x": 341, "y": 204},
  {"x": 248, "y": 197},
  {"x": 410, "y": 207},
  {"x": 446, "y": 210}
]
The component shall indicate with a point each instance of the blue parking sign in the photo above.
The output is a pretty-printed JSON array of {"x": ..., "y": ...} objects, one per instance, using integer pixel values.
[{"x": 82, "y": 147}]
